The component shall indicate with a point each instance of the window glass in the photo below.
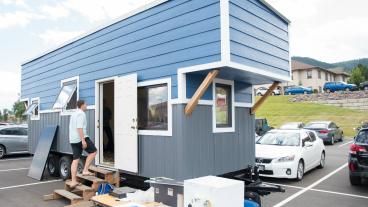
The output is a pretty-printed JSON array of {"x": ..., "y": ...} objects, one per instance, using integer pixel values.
[
  {"x": 312, "y": 136},
  {"x": 316, "y": 126},
  {"x": 280, "y": 138},
  {"x": 30, "y": 109},
  {"x": 9, "y": 131},
  {"x": 223, "y": 105},
  {"x": 305, "y": 138},
  {"x": 153, "y": 107},
  {"x": 309, "y": 74},
  {"x": 35, "y": 111},
  {"x": 67, "y": 96},
  {"x": 319, "y": 74},
  {"x": 362, "y": 137}
]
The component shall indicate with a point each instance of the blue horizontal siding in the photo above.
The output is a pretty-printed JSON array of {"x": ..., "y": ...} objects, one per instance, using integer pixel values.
[
  {"x": 243, "y": 90},
  {"x": 258, "y": 37},
  {"x": 153, "y": 44}
]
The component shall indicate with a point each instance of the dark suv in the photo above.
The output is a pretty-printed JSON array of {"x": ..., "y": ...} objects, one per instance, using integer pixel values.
[
  {"x": 364, "y": 85},
  {"x": 358, "y": 158}
]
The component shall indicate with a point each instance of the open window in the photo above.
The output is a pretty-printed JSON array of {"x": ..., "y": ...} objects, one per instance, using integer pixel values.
[
  {"x": 68, "y": 95},
  {"x": 33, "y": 109},
  {"x": 223, "y": 107}
]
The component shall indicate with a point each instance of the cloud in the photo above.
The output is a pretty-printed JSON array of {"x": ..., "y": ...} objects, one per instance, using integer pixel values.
[
  {"x": 57, "y": 36},
  {"x": 20, "y": 3},
  {"x": 9, "y": 88},
  {"x": 96, "y": 10},
  {"x": 17, "y": 18},
  {"x": 55, "y": 12},
  {"x": 328, "y": 30}
]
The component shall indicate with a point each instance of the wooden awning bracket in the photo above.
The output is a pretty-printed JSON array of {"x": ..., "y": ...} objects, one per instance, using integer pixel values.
[
  {"x": 189, "y": 108},
  {"x": 264, "y": 97}
]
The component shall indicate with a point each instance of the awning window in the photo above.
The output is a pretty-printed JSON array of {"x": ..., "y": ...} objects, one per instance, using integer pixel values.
[
  {"x": 67, "y": 96},
  {"x": 31, "y": 109}
]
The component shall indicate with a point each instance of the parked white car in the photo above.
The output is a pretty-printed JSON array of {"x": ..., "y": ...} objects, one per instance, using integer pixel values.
[
  {"x": 262, "y": 91},
  {"x": 289, "y": 153}
]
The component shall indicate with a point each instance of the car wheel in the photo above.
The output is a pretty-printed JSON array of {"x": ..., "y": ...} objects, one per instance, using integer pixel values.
[
  {"x": 53, "y": 165},
  {"x": 259, "y": 94},
  {"x": 300, "y": 171},
  {"x": 2, "y": 151},
  {"x": 64, "y": 167},
  {"x": 342, "y": 138},
  {"x": 322, "y": 162},
  {"x": 347, "y": 89},
  {"x": 366, "y": 88},
  {"x": 273, "y": 93},
  {"x": 332, "y": 142},
  {"x": 354, "y": 180}
]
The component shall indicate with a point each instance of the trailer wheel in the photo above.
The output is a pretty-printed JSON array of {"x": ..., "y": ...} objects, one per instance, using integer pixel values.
[
  {"x": 53, "y": 165},
  {"x": 80, "y": 166},
  {"x": 64, "y": 167}
]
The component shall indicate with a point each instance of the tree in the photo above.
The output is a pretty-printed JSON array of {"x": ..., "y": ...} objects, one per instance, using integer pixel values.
[
  {"x": 359, "y": 74},
  {"x": 5, "y": 114},
  {"x": 18, "y": 109}
]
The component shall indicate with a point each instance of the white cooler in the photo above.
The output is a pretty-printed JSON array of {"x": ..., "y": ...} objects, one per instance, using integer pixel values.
[{"x": 212, "y": 191}]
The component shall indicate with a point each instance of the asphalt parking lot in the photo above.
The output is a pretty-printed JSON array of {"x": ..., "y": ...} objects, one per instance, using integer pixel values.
[{"x": 321, "y": 187}]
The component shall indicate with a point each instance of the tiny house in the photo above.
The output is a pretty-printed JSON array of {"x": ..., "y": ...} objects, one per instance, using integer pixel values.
[{"x": 169, "y": 86}]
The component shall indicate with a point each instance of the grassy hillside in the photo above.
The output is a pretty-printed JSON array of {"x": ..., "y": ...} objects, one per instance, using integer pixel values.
[
  {"x": 347, "y": 65},
  {"x": 278, "y": 110}
]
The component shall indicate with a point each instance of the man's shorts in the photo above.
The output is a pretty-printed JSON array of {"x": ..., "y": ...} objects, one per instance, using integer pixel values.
[{"x": 77, "y": 148}]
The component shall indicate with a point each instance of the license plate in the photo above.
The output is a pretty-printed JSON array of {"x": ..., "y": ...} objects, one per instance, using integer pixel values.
[{"x": 261, "y": 167}]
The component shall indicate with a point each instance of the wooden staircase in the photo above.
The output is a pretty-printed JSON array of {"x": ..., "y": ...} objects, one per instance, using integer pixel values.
[{"x": 81, "y": 194}]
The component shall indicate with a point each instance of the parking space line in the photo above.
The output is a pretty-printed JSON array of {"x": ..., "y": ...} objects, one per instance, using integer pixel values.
[
  {"x": 295, "y": 195},
  {"x": 28, "y": 158},
  {"x": 320, "y": 190},
  {"x": 341, "y": 145},
  {"x": 16, "y": 169},
  {"x": 29, "y": 184}
]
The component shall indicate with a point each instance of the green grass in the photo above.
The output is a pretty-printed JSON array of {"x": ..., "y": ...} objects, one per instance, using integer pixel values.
[{"x": 278, "y": 110}]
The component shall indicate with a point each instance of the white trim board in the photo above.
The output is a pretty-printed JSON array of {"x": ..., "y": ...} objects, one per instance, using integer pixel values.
[
  {"x": 100, "y": 27},
  {"x": 225, "y": 29}
]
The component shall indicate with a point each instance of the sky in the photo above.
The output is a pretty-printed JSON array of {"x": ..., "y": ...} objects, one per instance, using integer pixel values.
[{"x": 328, "y": 30}]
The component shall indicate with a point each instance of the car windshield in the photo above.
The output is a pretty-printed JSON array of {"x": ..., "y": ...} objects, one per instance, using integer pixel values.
[
  {"x": 280, "y": 139},
  {"x": 362, "y": 137},
  {"x": 290, "y": 126},
  {"x": 316, "y": 126}
]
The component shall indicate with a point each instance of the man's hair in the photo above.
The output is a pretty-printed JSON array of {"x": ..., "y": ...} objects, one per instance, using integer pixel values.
[{"x": 80, "y": 103}]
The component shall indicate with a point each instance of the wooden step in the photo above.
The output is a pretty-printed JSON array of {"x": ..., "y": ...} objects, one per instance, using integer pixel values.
[
  {"x": 95, "y": 180},
  {"x": 112, "y": 177},
  {"x": 82, "y": 190},
  {"x": 58, "y": 194}
]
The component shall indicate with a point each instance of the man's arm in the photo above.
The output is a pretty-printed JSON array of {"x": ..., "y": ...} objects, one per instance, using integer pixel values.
[{"x": 81, "y": 135}]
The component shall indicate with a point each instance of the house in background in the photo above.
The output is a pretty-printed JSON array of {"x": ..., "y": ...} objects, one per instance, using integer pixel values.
[{"x": 311, "y": 76}]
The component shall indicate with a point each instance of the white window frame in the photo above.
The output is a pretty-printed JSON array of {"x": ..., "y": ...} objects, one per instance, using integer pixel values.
[
  {"x": 216, "y": 129},
  {"x": 36, "y": 117},
  {"x": 167, "y": 132},
  {"x": 64, "y": 111}
]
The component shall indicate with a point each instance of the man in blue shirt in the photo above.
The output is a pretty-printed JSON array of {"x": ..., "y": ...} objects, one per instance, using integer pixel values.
[{"x": 80, "y": 141}]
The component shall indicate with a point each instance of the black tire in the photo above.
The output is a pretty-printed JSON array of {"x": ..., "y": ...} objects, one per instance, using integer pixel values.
[
  {"x": 53, "y": 165},
  {"x": 332, "y": 142},
  {"x": 347, "y": 89},
  {"x": 300, "y": 171},
  {"x": 64, "y": 167},
  {"x": 2, "y": 151},
  {"x": 322, "y": 162},
  {"x": 354, "y": 180},
  {"x": 259, "y": 94},
  {"x": 328, "y": 91},
  {"x": 366, "y": 88},
  {"x": 80, "y": 166}
]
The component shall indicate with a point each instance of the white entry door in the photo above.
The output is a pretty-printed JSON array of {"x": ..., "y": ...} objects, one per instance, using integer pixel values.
[{"x": 126, "y": 132}]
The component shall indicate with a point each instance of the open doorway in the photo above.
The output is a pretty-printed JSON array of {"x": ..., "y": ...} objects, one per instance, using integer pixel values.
[{"x": 107, "y": 124}]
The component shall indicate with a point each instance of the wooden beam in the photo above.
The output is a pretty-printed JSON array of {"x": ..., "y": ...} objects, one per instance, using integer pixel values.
[
  {"x": 264, "y": 97},
  {"x": 200, "y": 91}
]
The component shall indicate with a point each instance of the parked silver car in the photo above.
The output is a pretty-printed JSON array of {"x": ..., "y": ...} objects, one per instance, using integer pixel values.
[{"x": 13, "y": 140}]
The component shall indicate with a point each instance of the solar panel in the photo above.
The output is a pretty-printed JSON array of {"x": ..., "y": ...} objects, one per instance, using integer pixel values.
[{"x": 42, "y": 152}]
